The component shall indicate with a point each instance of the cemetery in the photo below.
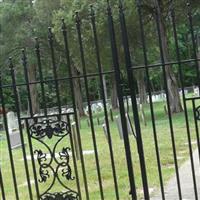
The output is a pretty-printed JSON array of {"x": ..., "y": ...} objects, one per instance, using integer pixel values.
[
  {"x": 99, "y": 100},
  {"x": 103, "y": 151}
]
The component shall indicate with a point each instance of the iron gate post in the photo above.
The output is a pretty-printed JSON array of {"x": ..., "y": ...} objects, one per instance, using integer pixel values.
[
  {"x": 131, "y": 80},
  {"x": 121, "y": 102}
]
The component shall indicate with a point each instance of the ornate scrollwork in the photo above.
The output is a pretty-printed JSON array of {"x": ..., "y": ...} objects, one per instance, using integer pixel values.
[
  {"x": 49, "y": 128},
  {"x": 53, "y": 164},
  {"x": 41, "y": 157},
  {"x": 198, "y": 113},
  {"x": 67, "y": 171},
  {"x": 44, "y": 175},
  {"x": 61, "y": 196}
]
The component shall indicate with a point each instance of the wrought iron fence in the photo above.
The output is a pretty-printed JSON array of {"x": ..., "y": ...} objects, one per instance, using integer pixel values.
[{"x": 60, "y": 157}]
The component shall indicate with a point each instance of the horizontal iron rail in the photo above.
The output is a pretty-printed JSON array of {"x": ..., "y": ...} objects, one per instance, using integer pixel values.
[
  {"x": 47, "y": 116},
  {"x": 192, "y": 98},
  {"x": 103, "y": 73}
]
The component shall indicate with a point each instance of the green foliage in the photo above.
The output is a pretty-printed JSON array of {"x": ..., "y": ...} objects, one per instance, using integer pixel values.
[{"x": 21, "y": 21}]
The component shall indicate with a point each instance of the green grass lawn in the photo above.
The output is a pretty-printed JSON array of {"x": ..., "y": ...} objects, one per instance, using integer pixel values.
[{"x": 165, "y": 147}]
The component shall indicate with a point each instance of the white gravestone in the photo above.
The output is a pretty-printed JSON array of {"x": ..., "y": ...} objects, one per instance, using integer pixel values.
[
  {"x": 119, "y": 126},
  {"x": 196, "y": 91},
  {"x": 105, "y": 130},
  {"x": 13, "y": 129}
]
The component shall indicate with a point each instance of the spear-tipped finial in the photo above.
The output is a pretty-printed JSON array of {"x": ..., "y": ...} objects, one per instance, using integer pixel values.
[
  {"x": 23, "y": 54},
  {"x": 109, "y": 7},
  {"x": 23, "y": 51},
  {"x": 138, "y": 3},
  {"x": 50, "y": 34},
  {"x": 37, "y": 45},
  {"x": 92, "y": 13},
  {"x": 77, "y": 17},
  {"x": 11, "y": 66},
  {"x": 188, "y": 9},
  {"x": 120, "y": 5},
  {"x": 63, "y": 24},
  {"x": 108, "y": 2}
]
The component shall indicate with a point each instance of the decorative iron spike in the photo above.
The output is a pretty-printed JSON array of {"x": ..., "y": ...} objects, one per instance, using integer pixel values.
[
  {"x": 11, "y": 66},
  {"x": 120, "y": 5},
  {"x": 24, "y": 58},
  {"x": 23, "y": 54},
  {"x": 63, "y": 27},
  {"x": 77, "y": 18},
  {"x": 37, "y": 45},
  {"x": 92, "y": 12},
  {"x": 138, "y": 3},
  {"x": 188, "y": 9},
  {"x": 50, "y": 34},
  {"x": 109, "y": 8}
]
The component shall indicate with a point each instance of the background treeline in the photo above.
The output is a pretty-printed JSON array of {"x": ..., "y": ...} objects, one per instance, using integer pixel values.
[{"x": 23, "y": 20}]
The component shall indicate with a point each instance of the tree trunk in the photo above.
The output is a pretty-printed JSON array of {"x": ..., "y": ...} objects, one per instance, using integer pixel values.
[
  {"x": 33, "y": 89},
  {"x": 172, "y": 84},
  {"x": 77, "y": 91},
  {"x": 114, "y": 99},
  {"x": 141, "y": 87}
]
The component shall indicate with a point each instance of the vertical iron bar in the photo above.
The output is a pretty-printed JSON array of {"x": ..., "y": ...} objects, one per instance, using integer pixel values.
[
  {"x": 183, "y": 94},
  {"x": 74, "y": 157},
  {"x": 37, "y": 51},
  {"x": 196, "y": 126},
  {"x": 24, "y": 62},
  {"x": 8, "y": 139},
  {"x": 67, "y": 54},
  {"x": 193, "y": 43},
  {"x": 133, "y": 98},
  {"x": 32, "y": 160},
  {"x": 2, "y": 186},
  {"x": 168, "y": 103},
  {"x": 51, "y": 44},
  {"x": 96, "y": 42},
  {"x": 143, "y": 40},
  {"x": 122, "y": 110},
  {"x": 20, "y": 126},
  {"x": 78, "y": 27}
]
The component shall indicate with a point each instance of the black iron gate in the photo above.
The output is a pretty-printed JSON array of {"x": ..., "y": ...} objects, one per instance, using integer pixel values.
[{"x": 58, "y": 166}]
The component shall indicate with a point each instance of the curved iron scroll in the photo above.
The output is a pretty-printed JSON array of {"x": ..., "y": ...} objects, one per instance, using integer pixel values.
[
  {"x": 54, "y": 165},
  {"x": 60, "y": 196},
  {"x": 198, "y": 113}
]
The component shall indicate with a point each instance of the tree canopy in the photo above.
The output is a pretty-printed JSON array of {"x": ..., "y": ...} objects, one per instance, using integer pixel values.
[{"x": 22, "y": 21}]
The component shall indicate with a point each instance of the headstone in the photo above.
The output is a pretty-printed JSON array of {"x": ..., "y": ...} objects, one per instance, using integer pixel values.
[
  {"x": 129, "y": 125},
  {"x": 143, "y": 114},
  {"x": 196, "y": 91},
  {"x": 12, "y": 122},
  {"x": 78, "y": 118},
  {"x": 111, "y": 115},
  {"x": 98, "y": 121},
  {"x": 105, "y": 130},
  {"x": 165, "y": 109},
  {"x": 13, "y": 129},
  {"x": 88, "y": 122},
  {"x": 1, "y": 126},
  {"x": 119, "y": 126},
  {"x": 75, "y": 141}
]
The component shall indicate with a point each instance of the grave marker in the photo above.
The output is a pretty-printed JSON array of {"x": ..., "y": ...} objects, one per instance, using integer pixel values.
[
  {"x": 75, "y": 141},
  {"x": 105, "y": 130},
  {"x": 13, "y": 129}
]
